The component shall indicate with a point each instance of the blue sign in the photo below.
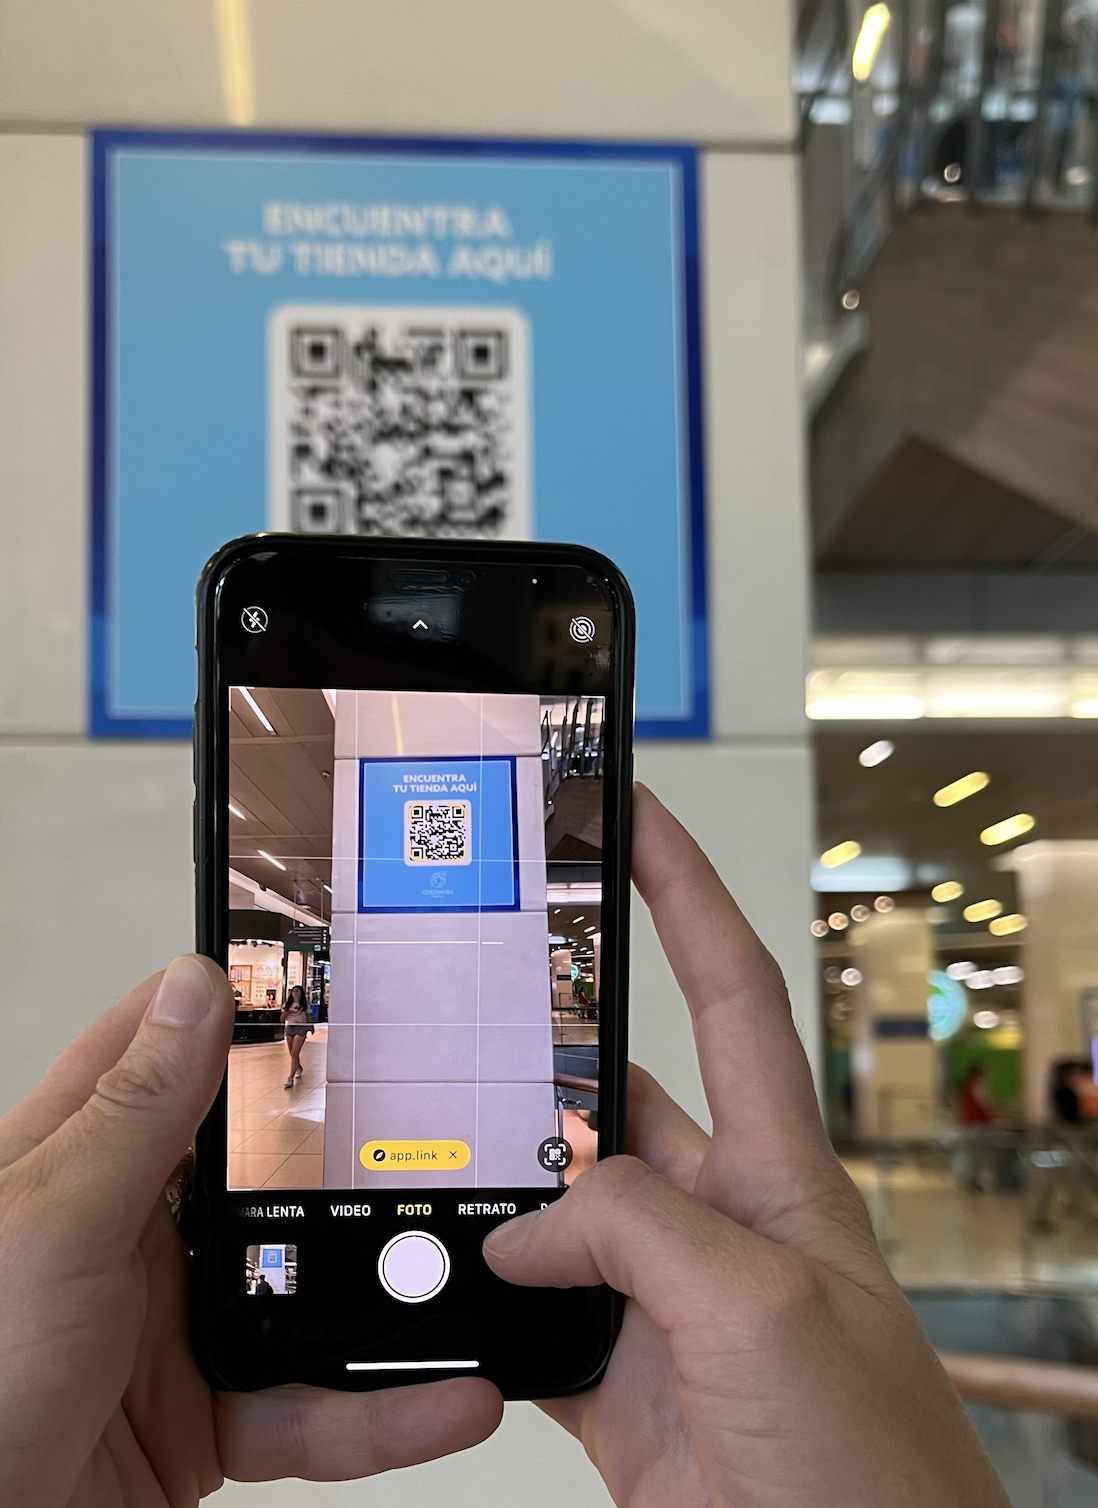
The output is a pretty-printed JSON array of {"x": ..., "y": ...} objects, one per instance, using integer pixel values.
[
  {"x": 272, "y": 1256},
  {"x": 337, "y": 334},
  {"x": 438, "y": 835}
]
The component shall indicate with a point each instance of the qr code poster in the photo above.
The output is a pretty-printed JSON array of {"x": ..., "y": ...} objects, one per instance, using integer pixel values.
[
  {"x": 410, "y": 421},
  {"x": 437, "y": 832},
  {"x": 438, "y": 835}
]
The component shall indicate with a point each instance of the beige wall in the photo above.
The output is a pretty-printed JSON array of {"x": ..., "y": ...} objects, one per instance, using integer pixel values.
[{"x": 95, "y": 883}]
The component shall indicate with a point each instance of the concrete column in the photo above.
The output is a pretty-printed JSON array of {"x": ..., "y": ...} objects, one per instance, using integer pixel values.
[
  {"x": 1058, "y": 893},
  {"x": 893, "y": 1062},
  {"x": 439, "y": 1013}
]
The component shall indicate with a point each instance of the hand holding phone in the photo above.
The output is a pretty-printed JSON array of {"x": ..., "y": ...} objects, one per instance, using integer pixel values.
[
  {"x": 767, "y": 1357},
  {"x": 101, "y": 1400}
]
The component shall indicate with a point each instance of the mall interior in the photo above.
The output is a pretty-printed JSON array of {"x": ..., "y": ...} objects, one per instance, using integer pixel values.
[{"x": 896, "y": 324}]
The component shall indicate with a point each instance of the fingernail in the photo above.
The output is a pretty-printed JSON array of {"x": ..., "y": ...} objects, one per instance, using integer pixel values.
[
  {"x": 508, "y": 1239},
  {"x": 184, "y": 996}
]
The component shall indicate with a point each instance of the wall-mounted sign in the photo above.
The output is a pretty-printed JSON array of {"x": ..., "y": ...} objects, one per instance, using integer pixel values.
[
  {"x": 427, "y": 338},
  {"x": 438, "y": 835}
]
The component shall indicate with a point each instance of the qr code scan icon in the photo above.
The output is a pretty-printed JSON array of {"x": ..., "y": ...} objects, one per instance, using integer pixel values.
[
  {"x": 437, "y": 832},
  {"x": 399, "y": 421}
]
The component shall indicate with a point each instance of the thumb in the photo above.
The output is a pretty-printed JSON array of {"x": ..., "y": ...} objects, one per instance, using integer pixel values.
[{"x": 105, "y": 1166}]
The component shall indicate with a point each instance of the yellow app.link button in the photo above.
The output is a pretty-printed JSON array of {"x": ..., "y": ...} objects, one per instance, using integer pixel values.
[{"x": 414, "y": 1156}]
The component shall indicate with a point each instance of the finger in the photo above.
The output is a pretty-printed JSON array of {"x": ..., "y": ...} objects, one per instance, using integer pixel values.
[
  {"x": 331, "y": 1437},
  {"x": 753, "y": 1067},
  {"x": 622, "y": 1224},
  {"x": 104, "y": 1167},
  {"x": 69, "y": 1081},
  {"x": 660, "y": 1132}
]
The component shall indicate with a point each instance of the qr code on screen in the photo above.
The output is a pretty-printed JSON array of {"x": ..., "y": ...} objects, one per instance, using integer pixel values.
[
  {"x": 399, "y": 421},
  {"x": 437, "y": 832}
]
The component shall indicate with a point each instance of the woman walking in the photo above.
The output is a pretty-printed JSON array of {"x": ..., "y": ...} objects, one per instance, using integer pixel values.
[{"x": 295, "y": 1013}]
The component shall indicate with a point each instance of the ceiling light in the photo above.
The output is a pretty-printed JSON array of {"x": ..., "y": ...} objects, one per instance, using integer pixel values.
[
  {"x": 851, "y": 977},
  {"x": 1010, "y": 827},
  {"x": 875, "y": 23},
  {"x": 960, "y": 790},
  {"x": 981, "y": 980},
  {"x": 876, "y": 753},
  {"x": 948, "y": 890},
  {"x": 1012, "y": 974},
  {"x": 328, "y": 888},
  {"x": 579, "y": 918},
  {"x": 982, "y": 911},
  {"x": 867, "y": 707},
  {"x": 842, "y": 853},
  {"x": 838, "y": 922},
  {"x": 819, "y": 928},
  {"x": 236, "y": 71},
  {"x": 884, "y": 903},
  {"x": 254, "y": 705},
  {"x": 986, "y": 1020},
  {"x": 860, "y": 913},
  {"x": 589, "y": 930},
  {"x": 271, "y": 859},
  {"x": 961, "y": 970},
  {"x": 237, "y": 812},
  {"x": 1003, "y": 926},
  {"x": 1086, "y": 707}
]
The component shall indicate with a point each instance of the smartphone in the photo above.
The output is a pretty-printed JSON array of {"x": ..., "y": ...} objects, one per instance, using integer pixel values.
[{"x": 413, "y": 766}]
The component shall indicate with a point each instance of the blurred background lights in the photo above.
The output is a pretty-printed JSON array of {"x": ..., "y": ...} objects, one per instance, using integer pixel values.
[
  {"x": 960, "y": 790},
  {"x": 842, "y": 853},
  {"x": 819, "y": 928},
  {"x": 860, "y": 913},
  {"x": 1011, "y": 974},
  {"x": 876, "y": 753},
  {"x": 982, "y": 911},
  {"x": 1010, "y": 827},
  {"x": 838, "y": 921},
  {"x": 981, "y": 980},
  {"x": 961, "y": 970},
  {"x": 986, "y": 1020},
  {"x": 948, "y": 890},
  {"x": 875, "y": 23},
  {"x": 1003, "y": 926},
  {"x": 851, "y": 977},
  {"x": 884, "y": 903}
]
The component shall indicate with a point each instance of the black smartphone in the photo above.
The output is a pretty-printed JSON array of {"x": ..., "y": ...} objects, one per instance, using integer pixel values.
[{"x": 413, "y": 766}]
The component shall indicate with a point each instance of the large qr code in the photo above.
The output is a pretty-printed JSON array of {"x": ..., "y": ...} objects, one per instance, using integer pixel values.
[
  {"x": 437, "y": 832},
  {"x": 400, "y": 421}
]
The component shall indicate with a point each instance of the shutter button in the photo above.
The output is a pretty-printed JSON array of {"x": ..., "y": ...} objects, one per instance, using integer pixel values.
[{"x": 413, "y": 1267}]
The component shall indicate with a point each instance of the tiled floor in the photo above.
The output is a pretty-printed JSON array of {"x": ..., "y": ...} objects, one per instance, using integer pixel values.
[
  {"x": 938, "y": 1233},
  {"x": 276, "y": 1135}
]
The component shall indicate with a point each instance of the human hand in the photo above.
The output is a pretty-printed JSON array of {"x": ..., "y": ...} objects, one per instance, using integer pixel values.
[
  {"x": 100, "y": 1399},
  {"x": 767, "y": 1358}
]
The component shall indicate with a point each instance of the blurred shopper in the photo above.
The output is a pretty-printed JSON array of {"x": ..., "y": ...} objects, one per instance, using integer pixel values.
[
  {"x": 767, "y": 1358},
  {"x": 295, "y": 1013},
  {"x": 974, "y": 1105}
]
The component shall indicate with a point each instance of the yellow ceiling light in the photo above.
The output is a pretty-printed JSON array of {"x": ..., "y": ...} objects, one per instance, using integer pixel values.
[
  {"x": 948, "y": 890},
  {"x": 960, "y": 790},
  {"x": 1010, "y": 827},
  {"x": 982, "y": 911},
  {"x": 1003, "y": 926},
  {"x": 236, "y": 62},
  {"x": 842, "y": 853},
  {"x": 875, "y": 23}
]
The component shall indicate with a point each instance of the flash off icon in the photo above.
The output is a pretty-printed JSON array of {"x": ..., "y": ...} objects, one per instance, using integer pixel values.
[{"x": 582, "y": 630}]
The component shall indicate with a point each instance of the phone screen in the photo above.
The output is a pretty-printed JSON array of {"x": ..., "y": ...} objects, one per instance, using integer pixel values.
[{"x": 411, "y": 767}]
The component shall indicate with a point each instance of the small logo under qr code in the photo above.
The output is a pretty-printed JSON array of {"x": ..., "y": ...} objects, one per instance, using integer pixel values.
[
  {"x": 437, "y": 832},
  {"x": 401, "y": 421}
]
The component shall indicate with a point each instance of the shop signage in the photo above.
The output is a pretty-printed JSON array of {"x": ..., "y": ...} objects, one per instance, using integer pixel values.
[
  {"x": 307, "y": 940},
  {"x": 334, "y": 334}
]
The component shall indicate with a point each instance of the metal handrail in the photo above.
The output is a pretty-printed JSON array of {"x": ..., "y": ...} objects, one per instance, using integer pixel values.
[{"x": 1012, "y": 1382}]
